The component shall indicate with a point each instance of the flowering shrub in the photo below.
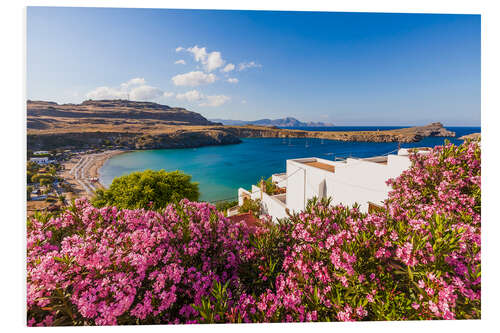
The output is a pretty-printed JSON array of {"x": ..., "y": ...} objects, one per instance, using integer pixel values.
[
  {"x": 436, "y": 208},
  {"x": 108, "y": 266},
  {"x": 419, "y": 259}
]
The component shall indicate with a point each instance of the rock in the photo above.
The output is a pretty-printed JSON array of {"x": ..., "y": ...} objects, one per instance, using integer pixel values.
[{"x": 472, "y": 136}]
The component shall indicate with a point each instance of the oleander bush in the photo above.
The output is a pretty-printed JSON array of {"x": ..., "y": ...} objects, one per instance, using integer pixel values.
[
  {"x": 107, "y": 266},
  {"x": 418, "y": 259}
]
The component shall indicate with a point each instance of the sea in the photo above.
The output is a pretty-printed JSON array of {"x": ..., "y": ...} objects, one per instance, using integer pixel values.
[{"x": 221, "y": 170}]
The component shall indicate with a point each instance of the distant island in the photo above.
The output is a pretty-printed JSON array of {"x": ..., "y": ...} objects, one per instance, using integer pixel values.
[
  {"x": 282, "y": 122},
  {"x": 132, "y": 125}
]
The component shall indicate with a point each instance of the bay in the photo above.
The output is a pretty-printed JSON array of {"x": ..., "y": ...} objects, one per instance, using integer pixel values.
[{"x": 221, "y": 170}]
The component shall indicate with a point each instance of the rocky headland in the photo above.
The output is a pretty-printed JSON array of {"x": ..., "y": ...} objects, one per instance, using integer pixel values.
[
  {"x": 472, "y": 136},
  {"x": 144, "y": 125},
  {"x": 411, "y": 134}
]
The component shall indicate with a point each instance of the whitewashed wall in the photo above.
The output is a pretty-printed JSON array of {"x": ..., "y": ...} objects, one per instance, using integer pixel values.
[
  {"x": 295, "y": 188},
  {"x": 358, "y": 182},
  {"x": 279, "y": 179},
  {"x": 355, "y": 181},
  {"x": 241, "y": 195},
  {"x": 273, "y": 207},
  {"x": 304, "y": 182}
]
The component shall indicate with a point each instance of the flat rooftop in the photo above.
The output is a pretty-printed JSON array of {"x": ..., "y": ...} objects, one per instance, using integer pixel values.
[
  {"x": 320, "y": 165},
  {"x": 377, "y": 159}
]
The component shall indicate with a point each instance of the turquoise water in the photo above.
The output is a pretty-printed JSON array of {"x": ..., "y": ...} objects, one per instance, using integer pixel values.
[{"x": 221, "y": 170}]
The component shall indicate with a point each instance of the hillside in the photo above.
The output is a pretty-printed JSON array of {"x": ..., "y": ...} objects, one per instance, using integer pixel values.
[
  {"x": 283, "y": 122},
  {"x": 145, "y": 125},
  {"x": 116, "y": 112},
  {"x": 131, "y": 124}
]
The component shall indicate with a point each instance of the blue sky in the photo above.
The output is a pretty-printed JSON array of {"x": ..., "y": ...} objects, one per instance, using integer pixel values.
[{"x": 344, "y": 68}]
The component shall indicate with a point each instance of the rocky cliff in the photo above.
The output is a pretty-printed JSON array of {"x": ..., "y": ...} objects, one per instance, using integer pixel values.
[
  {"x": 145, "y": 125},
  {"x": 411, "y": 134},
  {"x": 472, "y": 136},
  {"x": 433, "y": 129},
  {"x": 87, "y": 140}
]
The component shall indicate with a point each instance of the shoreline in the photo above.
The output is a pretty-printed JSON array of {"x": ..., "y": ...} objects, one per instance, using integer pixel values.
[
  {"x": 82, "y": 171},
  {"x": 179, "y": 136}
]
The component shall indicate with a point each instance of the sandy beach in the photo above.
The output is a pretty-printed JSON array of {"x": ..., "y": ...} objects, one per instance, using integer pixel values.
[{"x": 82, "y": 171}]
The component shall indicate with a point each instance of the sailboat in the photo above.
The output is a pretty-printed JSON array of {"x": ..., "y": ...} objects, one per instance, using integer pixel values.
[
  {"x": 307, "y": 145},
  {"x": 289, "y": 141}
]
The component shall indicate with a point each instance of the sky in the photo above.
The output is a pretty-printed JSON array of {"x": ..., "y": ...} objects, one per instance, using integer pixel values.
[{"x": 349, "y": 69}]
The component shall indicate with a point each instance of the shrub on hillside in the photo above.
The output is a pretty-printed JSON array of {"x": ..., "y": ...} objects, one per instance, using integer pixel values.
[
  {"x": 223, "y": 206},
  {"x": 250, "y": 205}
]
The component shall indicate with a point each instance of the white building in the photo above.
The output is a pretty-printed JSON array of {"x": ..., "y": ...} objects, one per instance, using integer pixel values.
[
  {"x": 349, "y": 181},
  {"x": 40, "y": 160}
]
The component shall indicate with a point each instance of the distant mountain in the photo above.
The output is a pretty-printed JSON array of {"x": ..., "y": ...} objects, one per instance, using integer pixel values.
[
  {"x": 283, "y": 122},
  {"x": 229, "y": 122}
]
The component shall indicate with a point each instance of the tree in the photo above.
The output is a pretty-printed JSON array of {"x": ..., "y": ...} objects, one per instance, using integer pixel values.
[
  {"x": 223, "y": 206},
  {"x": 45, "y": 182},
  {"x": 269, "y": 185},
  {"x": 40, "y": 177},
  {"x": 148, "y": 189},
  {"x": 250, "y": 205},
  {"x": 29, "y": 189}
]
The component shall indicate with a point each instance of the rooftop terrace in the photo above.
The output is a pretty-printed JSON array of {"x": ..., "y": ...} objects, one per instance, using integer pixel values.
[{"x": 320, "y": 165}]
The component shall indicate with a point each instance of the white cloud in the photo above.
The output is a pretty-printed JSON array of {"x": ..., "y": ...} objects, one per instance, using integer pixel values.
[
  {"x": 107, "y": 93},
  {"x": 216, "y": 100},
  {"x": 190, "y": 96},
  {"x": 244, "y": 65},
  {"x": 232, "y": 80},
  {"x": 196, "y": 96},
  {"x": 228, "y": 68},
  {"x": 199, "y": 53},
  {"x": 179, "y": 49},
  {"x": 210, "y": 61},
  {"x": 214, "y": 61},
  {"x": 134, "y": 89},
  {"x": 180, "y": 62},
  {"x": 193, "y": 79},
  {"x": 244, "y": 101},
  {"x": 138, "y": 81},
  {"x": 144, "y": 93}
]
